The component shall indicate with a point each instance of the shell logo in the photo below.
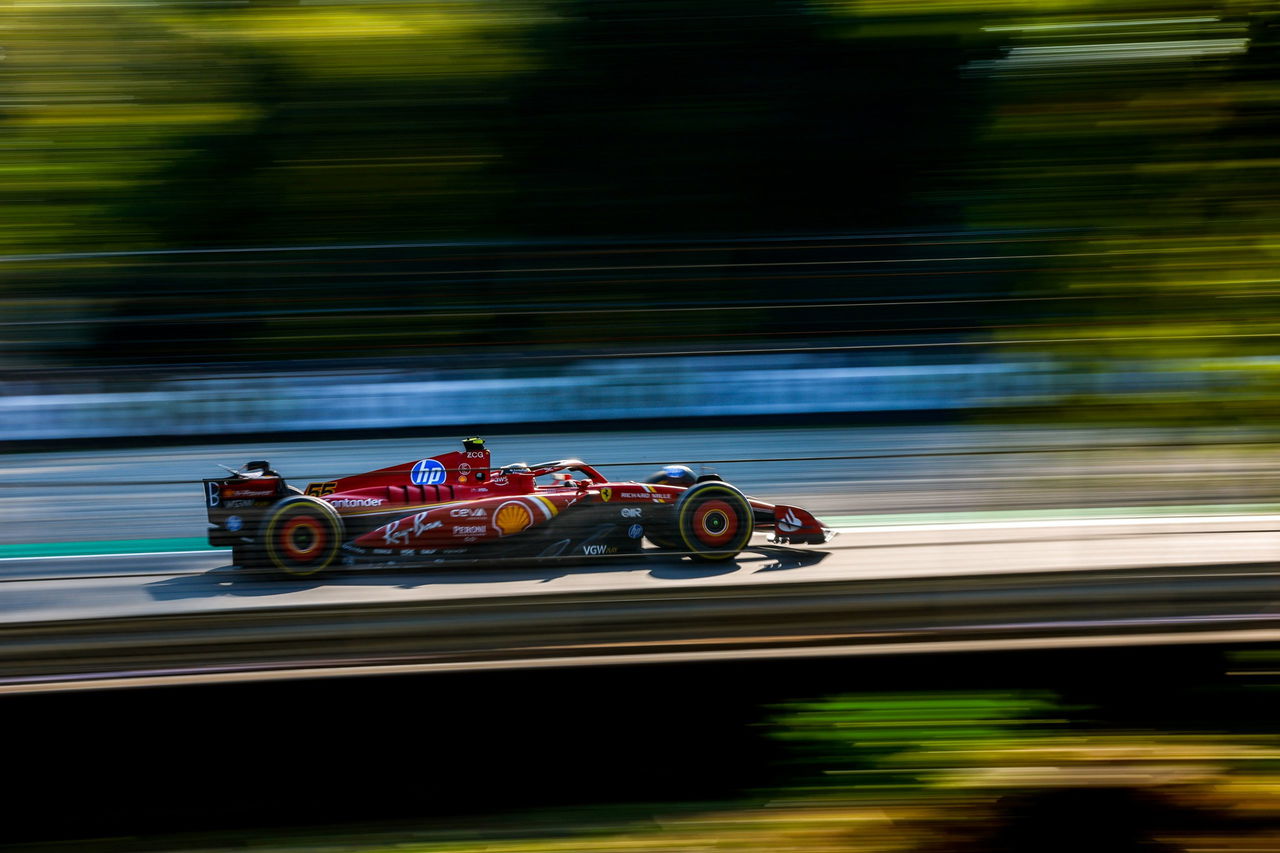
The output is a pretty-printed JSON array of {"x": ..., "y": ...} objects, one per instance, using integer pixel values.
[{"x": 512, "y": 517}]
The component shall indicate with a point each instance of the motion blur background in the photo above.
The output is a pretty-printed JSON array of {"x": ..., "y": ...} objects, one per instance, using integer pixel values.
[
  {"x": 255, "y": 216},
  {"x": 1020, "y": 224}
]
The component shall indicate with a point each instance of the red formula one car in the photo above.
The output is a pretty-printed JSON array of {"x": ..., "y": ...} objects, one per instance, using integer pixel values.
[{"x": 458, "y": 507}]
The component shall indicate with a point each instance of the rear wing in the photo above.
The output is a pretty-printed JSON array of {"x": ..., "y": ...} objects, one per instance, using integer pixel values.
[{"x": 236, "y": 504}]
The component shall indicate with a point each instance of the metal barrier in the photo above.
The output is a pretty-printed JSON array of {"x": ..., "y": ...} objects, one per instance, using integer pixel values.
[{"x": 601, "y": 389}]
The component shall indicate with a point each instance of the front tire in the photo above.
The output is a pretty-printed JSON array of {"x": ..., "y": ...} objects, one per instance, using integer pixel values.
[
  {"x": 714, "y": 521},
  {"x": 300, "y": 536}
]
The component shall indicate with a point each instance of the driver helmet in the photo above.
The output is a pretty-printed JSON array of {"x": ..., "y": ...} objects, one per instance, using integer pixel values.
[{"x": 674, "y": 475}]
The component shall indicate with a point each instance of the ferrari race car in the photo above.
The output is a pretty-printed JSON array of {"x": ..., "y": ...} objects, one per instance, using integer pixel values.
[{"x": 457, "y": 507}]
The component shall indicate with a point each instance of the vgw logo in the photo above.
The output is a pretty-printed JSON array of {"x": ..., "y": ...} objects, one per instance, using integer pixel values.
[{"x": 596, "y": 550}]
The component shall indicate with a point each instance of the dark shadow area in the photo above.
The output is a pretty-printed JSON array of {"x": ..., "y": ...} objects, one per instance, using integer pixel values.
[
  {"x": 228, "y": 580},
  {"x": 151, "y": 760},
  {"x": 757, "y": 558},
  {"x": 1103, "y": 819},
  {"x": 235, "y": 581},
  {"x": 1119, "y": 820},
  {"x": 781, "y": 559},
  {"x": 689, "y": 570}
]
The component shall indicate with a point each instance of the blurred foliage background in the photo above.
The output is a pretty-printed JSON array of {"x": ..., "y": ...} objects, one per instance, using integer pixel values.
[
  {"x": 209, "y": 182},
  {"x": 919, "y": 771}
]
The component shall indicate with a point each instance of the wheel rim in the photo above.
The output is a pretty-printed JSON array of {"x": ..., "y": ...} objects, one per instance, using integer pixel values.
[
  {"x": 715, "y": 523},
  {"x": 303, "y": 538}
]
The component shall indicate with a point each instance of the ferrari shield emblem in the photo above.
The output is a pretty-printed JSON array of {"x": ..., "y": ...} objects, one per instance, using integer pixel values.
[{"x": 606, "y": 495}]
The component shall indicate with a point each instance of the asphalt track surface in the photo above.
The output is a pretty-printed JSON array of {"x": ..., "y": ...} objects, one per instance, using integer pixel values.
[
  {"x": 200, "y": 582},
  {"x": 133, "y": 494}
]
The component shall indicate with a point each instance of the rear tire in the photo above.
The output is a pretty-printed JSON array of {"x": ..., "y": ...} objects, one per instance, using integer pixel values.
[
  {"x": 714, "y": 521},
  {"x": 299, "y": 536}
]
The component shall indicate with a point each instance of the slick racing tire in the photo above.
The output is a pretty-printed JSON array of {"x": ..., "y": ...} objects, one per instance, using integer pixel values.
[
  {"x": 714, "y": 521},
  {"x": 299, "y": 536}
]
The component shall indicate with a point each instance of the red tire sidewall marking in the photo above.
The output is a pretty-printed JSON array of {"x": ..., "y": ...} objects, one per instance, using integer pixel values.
[
  {"x": 319, "y": 538},
  {"x": 711, "y": 508}
]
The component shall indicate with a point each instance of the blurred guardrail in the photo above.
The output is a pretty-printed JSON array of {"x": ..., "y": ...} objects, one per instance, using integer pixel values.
[
  {"x": 262, "y": 401},
  {"x": 1108, "y": 608}
]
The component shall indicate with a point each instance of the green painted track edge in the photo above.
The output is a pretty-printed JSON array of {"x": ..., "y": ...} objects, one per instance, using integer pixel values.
[{"x": 105, "y": 547}]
